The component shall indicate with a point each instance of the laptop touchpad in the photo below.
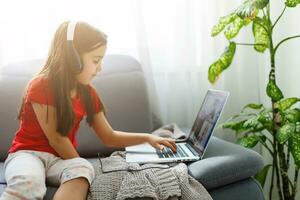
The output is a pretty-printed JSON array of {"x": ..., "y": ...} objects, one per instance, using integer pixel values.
[{"x": 141, "y": 148}]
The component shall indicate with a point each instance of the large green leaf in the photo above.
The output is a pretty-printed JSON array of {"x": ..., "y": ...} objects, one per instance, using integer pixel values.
[
  {"x": 285, "y": 132},
  {"x": 249, "y": 9},
  {"x": 265, "y": 118},
  {"x": 292, "y": 115},
  {"x": 248, "y": 141},
  {"x": 235, "y": 125},
  {"x": 261, "y": 37},
  {"x": 292, "y": 3},
  {"x": 261, "y": 176},
  {"x": 223, "y": 21},
  {"x": 273, "y": 91},
  {"x": 286, "y": 103},
  {"x": 253, "y": 124},
  {"x": 233, "y": 28},
  {"x": 253, "y": 106},
  {"x": 220, "y": 65},
  {"x": 294, "y": 144}
]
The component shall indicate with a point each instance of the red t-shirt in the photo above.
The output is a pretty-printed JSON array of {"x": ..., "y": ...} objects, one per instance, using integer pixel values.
[{"x": 30, "y": 135}]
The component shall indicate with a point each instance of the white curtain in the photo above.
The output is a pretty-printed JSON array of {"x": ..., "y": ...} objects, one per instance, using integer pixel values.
[{"x": 175, "y": 44}]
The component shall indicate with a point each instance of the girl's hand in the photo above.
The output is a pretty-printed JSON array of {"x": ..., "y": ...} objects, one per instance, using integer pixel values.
[{"x": 157, "y": 142}]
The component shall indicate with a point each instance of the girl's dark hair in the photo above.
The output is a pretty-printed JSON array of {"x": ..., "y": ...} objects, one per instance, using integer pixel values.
[{"x": 62, "y": 76}]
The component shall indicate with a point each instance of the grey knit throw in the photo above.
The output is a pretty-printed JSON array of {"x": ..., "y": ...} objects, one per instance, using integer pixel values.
[{"x": 116, "y": 179}]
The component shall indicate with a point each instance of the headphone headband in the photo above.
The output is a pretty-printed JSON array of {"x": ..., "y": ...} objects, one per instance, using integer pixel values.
[
  {"x": 73, "y": 55},
  {"x": 71, "y": 30}
]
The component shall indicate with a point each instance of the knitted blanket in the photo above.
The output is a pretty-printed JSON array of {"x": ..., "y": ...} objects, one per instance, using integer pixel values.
[{"x": 116, "y": 179}]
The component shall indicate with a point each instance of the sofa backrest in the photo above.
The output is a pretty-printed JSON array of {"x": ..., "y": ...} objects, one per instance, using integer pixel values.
[{"x": 120, "y": 85}]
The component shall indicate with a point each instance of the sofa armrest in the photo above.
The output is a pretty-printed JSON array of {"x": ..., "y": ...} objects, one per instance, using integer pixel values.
[{"x": 225, "y": 163}]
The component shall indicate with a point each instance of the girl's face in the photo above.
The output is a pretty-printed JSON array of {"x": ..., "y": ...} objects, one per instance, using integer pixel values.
[{"x": 91, "y": 65}]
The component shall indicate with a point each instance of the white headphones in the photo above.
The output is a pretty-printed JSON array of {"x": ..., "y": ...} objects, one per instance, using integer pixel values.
[{"x": 72, "y": 53}]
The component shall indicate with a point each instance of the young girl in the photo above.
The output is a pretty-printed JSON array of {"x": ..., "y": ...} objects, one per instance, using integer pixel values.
[{"x": 56, "y": 100}]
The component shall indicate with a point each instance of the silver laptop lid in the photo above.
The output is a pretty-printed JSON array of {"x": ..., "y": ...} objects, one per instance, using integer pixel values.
[{"x": 207, "y": 119}]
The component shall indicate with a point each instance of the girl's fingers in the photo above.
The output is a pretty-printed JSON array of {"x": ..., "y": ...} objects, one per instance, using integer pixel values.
[
  {"x": 170, "y": 145},
  {"x": 158, "y": 146},
  {"x": 173, "y": 144},
  {"x": 161, "y": 142}
]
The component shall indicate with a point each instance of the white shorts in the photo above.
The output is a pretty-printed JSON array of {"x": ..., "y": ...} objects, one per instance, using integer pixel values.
[{"x": 26, "y": 173}]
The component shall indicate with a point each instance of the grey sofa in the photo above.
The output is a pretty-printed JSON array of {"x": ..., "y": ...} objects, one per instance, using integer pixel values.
[{"x": 226, "y": 171}]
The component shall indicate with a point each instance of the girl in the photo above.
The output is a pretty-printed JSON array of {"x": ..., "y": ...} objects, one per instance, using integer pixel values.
[{"x": 56, "y": 99}]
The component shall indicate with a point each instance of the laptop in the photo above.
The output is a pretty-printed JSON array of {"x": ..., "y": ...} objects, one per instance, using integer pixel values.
[{"x": 194, "y": 146}]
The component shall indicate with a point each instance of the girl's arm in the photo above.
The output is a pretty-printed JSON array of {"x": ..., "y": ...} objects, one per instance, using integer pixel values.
[
  {"x": 114, "y": 138},
  {"x": 61, "y": 144}
]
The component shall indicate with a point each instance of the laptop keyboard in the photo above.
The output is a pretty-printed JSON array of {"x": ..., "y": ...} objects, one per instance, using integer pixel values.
[{"x": 168, "y": 153}]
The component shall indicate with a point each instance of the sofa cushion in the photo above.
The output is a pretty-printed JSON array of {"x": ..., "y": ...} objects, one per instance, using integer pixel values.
[
  {"x": 225, "y": 163},
  {"x": 247, "y": 189}
]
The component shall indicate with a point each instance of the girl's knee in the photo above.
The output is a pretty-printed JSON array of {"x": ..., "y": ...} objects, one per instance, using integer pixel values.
[
  {"x": 81, "y": 169},
  {"x": 84, "y": 165}
]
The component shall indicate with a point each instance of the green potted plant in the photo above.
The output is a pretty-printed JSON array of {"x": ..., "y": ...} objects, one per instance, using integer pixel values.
[{"x": 277, "y": 128}]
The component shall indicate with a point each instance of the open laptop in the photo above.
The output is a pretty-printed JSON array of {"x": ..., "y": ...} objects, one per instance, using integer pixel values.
[{"x": 192, "y": 148}]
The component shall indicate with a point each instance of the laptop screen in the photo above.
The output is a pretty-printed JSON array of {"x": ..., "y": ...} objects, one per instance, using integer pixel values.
[{"x": 206, "y": 119}]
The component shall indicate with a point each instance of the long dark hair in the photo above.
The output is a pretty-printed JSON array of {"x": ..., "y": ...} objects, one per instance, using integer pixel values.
[{"x": 62, "y": 75}]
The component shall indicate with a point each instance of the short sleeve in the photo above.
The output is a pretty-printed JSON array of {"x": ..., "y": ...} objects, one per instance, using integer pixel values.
[
  {"x": 97, "y": 103},
  {"x": 39, "y": 91}
]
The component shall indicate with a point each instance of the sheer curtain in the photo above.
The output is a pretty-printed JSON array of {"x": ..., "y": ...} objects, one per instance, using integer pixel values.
[
  {"x": 175, "y": 43},
  {"x": 171, "y": 39}
]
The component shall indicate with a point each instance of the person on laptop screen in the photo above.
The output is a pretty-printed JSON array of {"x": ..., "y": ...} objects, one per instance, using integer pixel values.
[{"x": 207, "y": 122}]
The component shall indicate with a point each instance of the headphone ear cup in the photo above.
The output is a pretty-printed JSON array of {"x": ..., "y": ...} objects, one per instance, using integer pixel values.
[{"x": 73, "y": 57}]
